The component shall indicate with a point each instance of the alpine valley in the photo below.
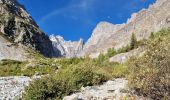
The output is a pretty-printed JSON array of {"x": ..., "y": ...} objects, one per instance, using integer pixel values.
[{"x": 128, "y": 61}]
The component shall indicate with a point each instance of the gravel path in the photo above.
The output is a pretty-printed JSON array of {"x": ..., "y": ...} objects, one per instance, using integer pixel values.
[
  {"x": 111, "y": 90},
  {"x": 11, "y": 88}
]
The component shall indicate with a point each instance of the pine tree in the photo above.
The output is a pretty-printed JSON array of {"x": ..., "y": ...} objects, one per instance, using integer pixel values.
[
  {"x": 134, "y": 42},
  {"x": 152, "y": 35}
]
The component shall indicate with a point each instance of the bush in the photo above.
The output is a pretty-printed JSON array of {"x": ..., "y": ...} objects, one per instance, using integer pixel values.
[
  {"x": 30, "y": 71},
  {"x": 152, "y": 35},
  {"x": 41, "y": 89},
  {"x": 124, "y": 49},
  {"x": 65, "y": 62},
  {"x": 65, "y": 82},
  {"x": 10, "y": 67},
  {"x": 18, "y": 68},
  {"x": 111, "y": 52},
  {"x": 120, "y": 70},
  {"x": 150, "y": 74},
  {"x": 74, "y": 74},
  {"x": 101, "y": 61}
]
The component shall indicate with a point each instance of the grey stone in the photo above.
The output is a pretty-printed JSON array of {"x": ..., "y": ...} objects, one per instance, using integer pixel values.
[
  {"x": 11, "y": 88},
  {"x": 123, "y": 57},
  {"x": 108, "y": 91}
]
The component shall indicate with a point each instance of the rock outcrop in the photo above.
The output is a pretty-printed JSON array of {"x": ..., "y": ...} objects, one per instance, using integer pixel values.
[
  {"x": 107, "y": 35},
  {"x": 11, "y": 88},
  {"x": 17, "y": 26},
  {"x": 12, "y": 51},
  {"x": 67, "y": 49},
  {"x": 123, "y": 57}
]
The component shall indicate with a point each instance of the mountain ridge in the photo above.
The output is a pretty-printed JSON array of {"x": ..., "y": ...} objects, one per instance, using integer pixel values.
[
  {"x": 141, "y": 23},
  {"x": 107, "y": 35},
  {"x": 19, "y": 27}
]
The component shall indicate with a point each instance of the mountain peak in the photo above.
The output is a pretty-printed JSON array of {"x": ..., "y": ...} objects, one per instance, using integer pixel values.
[{"x": 67, "y": 49}]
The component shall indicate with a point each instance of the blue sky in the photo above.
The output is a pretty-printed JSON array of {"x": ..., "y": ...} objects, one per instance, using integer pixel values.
[{"x": 75, "y": 19}]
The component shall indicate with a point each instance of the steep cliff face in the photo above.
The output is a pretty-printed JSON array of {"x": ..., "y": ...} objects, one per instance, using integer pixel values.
[
  {"x": 11, "y": 51},
  {"x": 17, "y": 26},
  {"x": 67, "y": 49},
  {"x": 104, "y": 30},
  {"x": 107, "y": 35}
]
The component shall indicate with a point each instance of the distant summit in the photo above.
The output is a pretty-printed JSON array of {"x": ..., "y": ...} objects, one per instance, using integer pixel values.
[{"x": 67, "y": 49}]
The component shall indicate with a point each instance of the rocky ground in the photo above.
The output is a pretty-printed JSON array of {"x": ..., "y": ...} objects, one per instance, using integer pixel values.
[
  {"x": 11, "y": 87},
  {"x": 111, "y": 90}
]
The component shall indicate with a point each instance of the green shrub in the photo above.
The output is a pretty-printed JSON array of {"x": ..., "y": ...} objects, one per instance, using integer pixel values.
[
  {"x": 41, "y": 89},
  {"x": 150, "y": 74},
  {"x": 65, "y": 82},
  {"x": 65, "y": 62},
  {"x": 101, "y": 61},
  {"x": 18, "y": 68},
  {"x": 120, "y": 70},
  {"x": 10, "y": 68},
  {"x": 111, "y": 52},
  {"x": 124, "y": 49},
  {"x": 152, "y": 35},
  {"x": 30, "y": 71}
]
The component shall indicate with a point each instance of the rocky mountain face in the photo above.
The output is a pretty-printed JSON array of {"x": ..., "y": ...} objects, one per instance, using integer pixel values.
[
  {"x": 12, "y": 51},
  {"x": 107, "y": 35},
  {"x": 67, "y": 49},
  {"x": 17, "y": 27}
]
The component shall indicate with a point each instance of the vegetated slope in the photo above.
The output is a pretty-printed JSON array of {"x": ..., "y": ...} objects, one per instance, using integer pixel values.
[
  {"x": 150, "y": 74},
  {"x": 17, "y": 26},
  {"x": 72, "y": 74},
  {"x": 107, "y": 35}
]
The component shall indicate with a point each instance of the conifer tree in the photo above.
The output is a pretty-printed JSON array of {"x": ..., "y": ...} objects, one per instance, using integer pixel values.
[
  {"x": 134, "y": 41},
  {"x": 152, "y": 35}
]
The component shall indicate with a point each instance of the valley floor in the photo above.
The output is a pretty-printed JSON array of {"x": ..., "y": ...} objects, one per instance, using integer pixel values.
[{"x": 11, "y": 88}]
